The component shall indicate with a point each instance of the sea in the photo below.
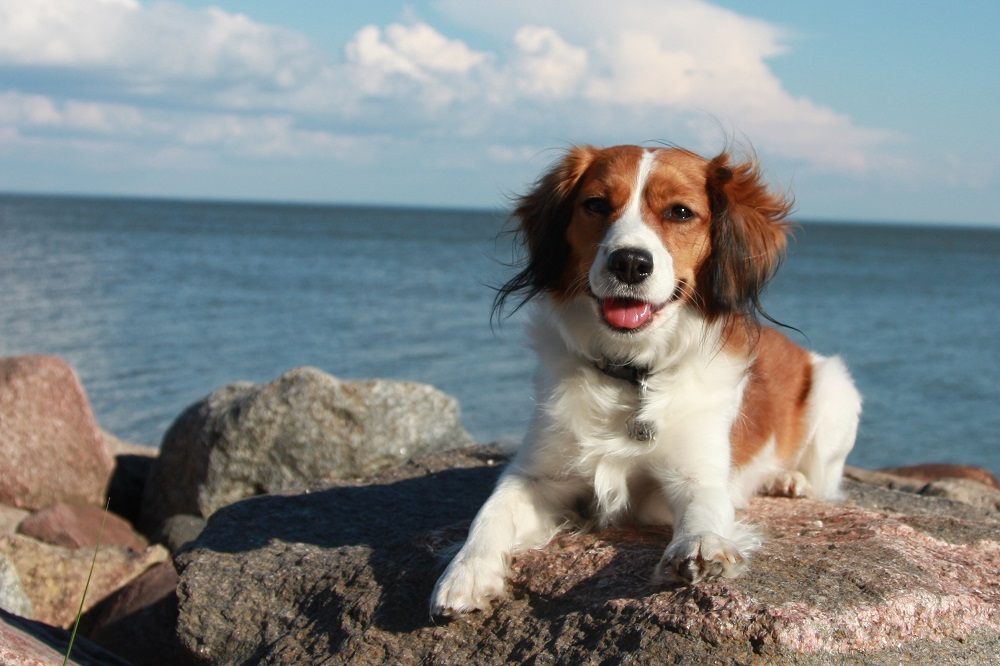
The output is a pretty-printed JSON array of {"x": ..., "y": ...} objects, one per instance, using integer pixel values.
[{"x": 157, "y": 303}]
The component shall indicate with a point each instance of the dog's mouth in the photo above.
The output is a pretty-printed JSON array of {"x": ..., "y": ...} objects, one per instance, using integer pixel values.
[{"x": 630, "y": 314}]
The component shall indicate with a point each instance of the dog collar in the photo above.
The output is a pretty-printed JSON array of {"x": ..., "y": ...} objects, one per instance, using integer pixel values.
[
  {"x": 633, "y": 374},
  {"x": 639, "y": 429}
]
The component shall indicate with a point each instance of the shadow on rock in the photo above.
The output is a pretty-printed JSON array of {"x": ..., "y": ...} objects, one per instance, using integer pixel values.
[
  {"x": 303, "y": 557},
  {"x": 369, "y": 515}
]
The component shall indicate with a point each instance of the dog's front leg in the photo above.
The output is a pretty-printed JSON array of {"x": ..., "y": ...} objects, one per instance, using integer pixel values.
[
  {"x": 707, "y": 541},
  {"x": 522, "y": 513}
]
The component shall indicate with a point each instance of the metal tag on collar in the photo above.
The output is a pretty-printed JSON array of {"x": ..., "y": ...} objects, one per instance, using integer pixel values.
[{"x": 640, "y": 430}]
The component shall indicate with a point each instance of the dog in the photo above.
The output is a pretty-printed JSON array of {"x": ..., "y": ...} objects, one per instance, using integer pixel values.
[{"x": 661, "y": 398}]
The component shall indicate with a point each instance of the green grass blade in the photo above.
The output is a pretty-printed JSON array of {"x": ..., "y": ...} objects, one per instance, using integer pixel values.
[{"x": 93, "y": 563}]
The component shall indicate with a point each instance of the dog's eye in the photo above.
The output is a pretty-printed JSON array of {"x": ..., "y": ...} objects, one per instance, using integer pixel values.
[
  {"x": 679, "y": 213},
  {"x": 598, "y": 205}
]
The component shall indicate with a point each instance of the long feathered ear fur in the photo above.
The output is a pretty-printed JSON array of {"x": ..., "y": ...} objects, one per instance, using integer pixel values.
[
  {"x": 748, "y": 236},
  {"x": 543, "y": 215}
]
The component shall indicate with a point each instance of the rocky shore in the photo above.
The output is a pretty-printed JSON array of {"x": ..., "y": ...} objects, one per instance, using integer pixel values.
[{"x": 305, "y": 521}]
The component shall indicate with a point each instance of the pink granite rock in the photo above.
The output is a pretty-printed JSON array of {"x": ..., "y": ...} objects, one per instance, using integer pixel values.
[
  {"x": 831, "y": 579},
  {"x": 884, "y": 577},
  {"x": 10, "y": 518},
  {"x": 51, "y": 448},
  {"x": 54, "y": 578},
  {"x": 73, "y": 526},
  {"x": 929, "y": 472}
]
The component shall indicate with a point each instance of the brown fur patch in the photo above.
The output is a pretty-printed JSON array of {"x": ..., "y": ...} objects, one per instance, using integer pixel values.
[{"x": 774, "y": 401}]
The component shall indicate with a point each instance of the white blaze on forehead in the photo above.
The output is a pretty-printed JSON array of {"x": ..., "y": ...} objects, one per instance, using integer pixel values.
[
  {"x": 634, "y": 207},
  {"x": 629, "y": 230}
]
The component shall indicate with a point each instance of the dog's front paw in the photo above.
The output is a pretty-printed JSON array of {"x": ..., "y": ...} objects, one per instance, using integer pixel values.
[
  {"x": 468, "y": 584},
  {"x": 700, "y": 557}
]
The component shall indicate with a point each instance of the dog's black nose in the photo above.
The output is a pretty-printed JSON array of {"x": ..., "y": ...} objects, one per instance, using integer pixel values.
[{"x": 630, "y": 265}]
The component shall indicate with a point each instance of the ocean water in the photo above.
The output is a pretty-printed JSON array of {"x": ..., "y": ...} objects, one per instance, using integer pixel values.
[{"x": 158, "y": 303}]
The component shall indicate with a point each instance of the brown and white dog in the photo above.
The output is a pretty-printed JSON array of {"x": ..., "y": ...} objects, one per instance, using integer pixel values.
[{"x": 660, "y": 398}]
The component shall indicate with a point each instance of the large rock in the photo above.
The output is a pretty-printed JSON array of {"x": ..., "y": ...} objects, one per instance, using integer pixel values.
[
  {"x": 245, "y": 439},
  {"x": 978, "y": 490},
  {"x": 138, "y": 621},
  {"x": 345, "y": 572},
  {"x": 54, "y": 578},
  {"x": 930, "y": 472},
  {"x": 51, "y": 448},
  {"x": 72, "y": 526}
]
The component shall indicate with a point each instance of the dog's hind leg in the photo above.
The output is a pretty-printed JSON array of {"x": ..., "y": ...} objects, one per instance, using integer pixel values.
[{"x": 833, "y": 416}]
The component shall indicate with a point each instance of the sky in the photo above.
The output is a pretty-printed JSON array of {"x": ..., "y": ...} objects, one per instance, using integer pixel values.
[{"x": 864, "y": 111}]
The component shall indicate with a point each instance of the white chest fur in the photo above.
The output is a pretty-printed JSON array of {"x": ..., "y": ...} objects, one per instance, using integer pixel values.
[{"x": 692, "y": 398}]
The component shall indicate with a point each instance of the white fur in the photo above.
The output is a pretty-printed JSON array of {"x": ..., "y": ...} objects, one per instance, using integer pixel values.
[
  {"x": 578, "y": 450},
  {"x": 833, "y": 415}
]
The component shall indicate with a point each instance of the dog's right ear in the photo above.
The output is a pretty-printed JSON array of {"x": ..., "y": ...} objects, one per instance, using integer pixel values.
[{"x": 543, "y": 215}]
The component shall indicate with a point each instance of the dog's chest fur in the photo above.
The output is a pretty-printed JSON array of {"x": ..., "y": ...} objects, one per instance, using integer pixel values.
[{"x": 692, "y": 398}]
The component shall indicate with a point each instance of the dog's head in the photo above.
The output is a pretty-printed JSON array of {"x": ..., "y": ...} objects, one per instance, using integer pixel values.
[{"x": 641, "y": 233}]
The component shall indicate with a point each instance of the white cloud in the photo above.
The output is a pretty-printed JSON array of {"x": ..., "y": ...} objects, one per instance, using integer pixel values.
[
  {"x": 158, "y": 50},
  {"x": 34, "y": 121},
  {"x": 512, "y": 154},
  {"x": 679, "y": 66},
  {"x": 431, "y": 50},
  {"x": 124, "y": 72},
  {"x": 61, "y": 32},
  {"x": 41, "y": 112},
  {"x": 412, "y": 62},
  {"x": 545, "y": 65}
]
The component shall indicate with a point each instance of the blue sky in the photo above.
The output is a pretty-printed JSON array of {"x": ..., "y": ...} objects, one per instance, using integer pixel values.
[{"x": 866, "y": 111}]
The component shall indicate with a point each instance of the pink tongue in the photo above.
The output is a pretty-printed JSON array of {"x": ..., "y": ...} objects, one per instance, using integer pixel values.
[{"x": 626, "y": 313}]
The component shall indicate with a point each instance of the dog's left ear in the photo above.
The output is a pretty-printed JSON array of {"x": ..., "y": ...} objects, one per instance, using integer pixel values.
[{"x": 748, "y": 235}]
